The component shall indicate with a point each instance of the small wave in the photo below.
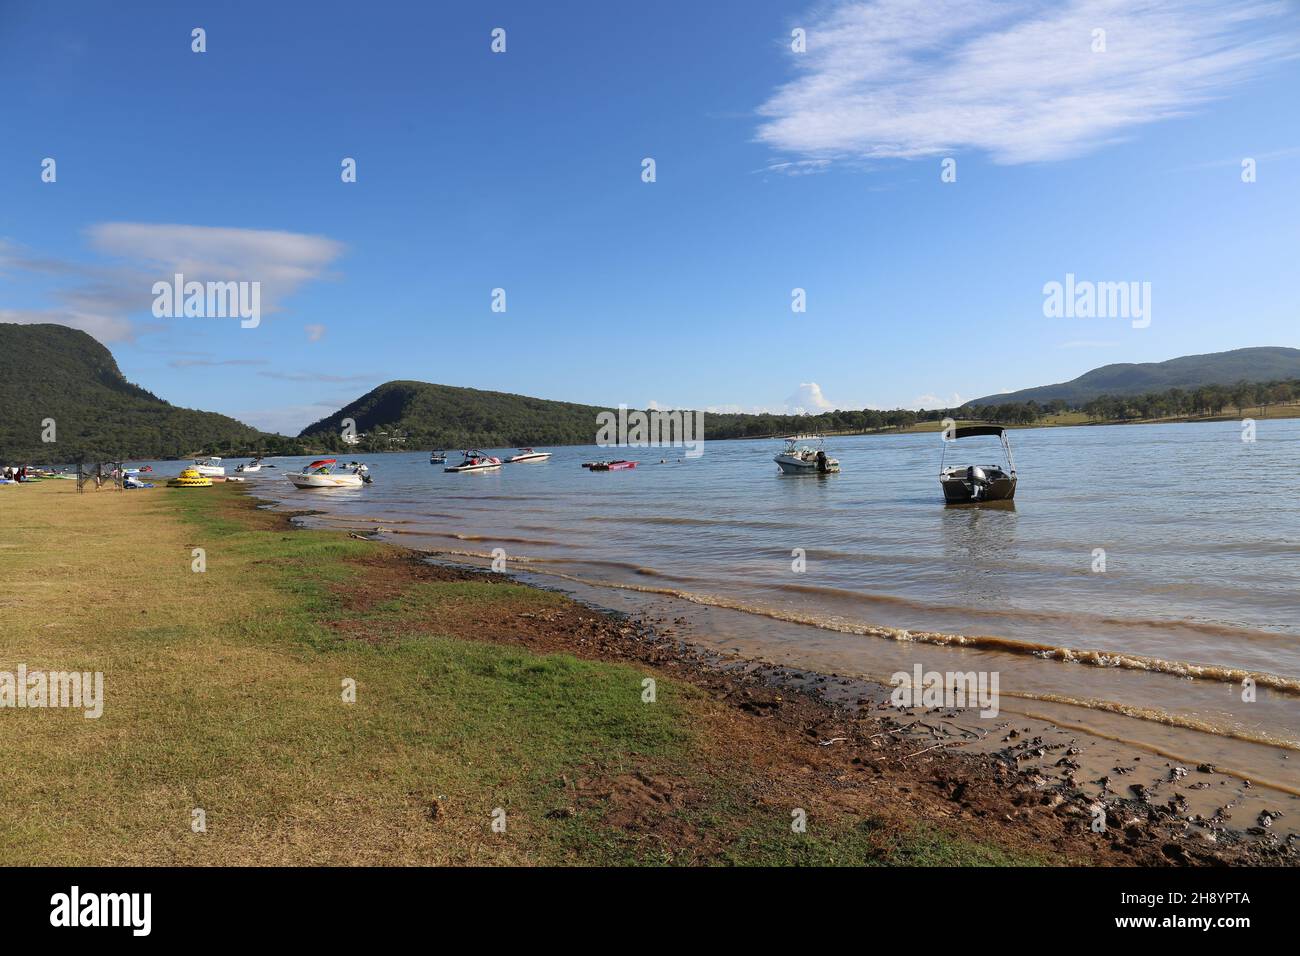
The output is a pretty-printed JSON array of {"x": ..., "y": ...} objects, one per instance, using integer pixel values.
[{"x": 1094, "y": 658}]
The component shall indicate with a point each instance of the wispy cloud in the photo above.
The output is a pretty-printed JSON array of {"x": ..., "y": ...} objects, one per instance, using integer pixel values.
[
  {"x": 1018, "y": 80},
  {"x": 935, "y": 401},
  {"x": 213, "y": 363},
  {"x": 316, "y": 377},
  {"x": 101, "y": 297}
]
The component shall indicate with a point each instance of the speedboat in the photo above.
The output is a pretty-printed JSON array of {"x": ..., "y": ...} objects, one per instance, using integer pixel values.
[
  {"x": 438, "y": 457},
  {"x": 800, "y": 458},
  {"x": 209, "y": 467},
  {"x": 966, "y": 484},
  {"x": 527, "y": 454},
  {"x": 476, "y": 461},
  {"x": 618, "y": 465},
  {"x": 254, "y": 465},
  {"x": 325, "y": 473}
]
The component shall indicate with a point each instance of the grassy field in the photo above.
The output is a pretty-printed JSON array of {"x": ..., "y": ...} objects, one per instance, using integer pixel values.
[{"x": 224, "y": 692}]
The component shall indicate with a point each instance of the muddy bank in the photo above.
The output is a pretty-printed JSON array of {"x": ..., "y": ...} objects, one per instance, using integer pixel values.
[{"x": 1017, "y": 783}]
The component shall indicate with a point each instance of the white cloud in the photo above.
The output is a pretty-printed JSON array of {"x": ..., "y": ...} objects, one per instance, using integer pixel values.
[
  {"x": 315, "y": 332},
  {"x": 1018, "y": 80},
  {"x": 808, "y": 400},
  {"x": 105, "y": 328},
  {"x": 280, "y": 261},
  {"x": 100, "y": 298},
  {"x": 936, "y": 401}
]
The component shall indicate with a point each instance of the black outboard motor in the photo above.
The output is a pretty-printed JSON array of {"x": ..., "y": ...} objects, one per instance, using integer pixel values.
[
  {"x": 978, "y": 481},
  {"x": 821, "y": 462}
]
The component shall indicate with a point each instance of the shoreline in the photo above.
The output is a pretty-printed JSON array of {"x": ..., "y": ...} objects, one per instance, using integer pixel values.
[
  {"x": 1066, "y": 420},
  {"x": 860, "y": 698},
  {"x": 476, "y": 692}
]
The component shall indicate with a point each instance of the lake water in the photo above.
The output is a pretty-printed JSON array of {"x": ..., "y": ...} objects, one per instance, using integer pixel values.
[{"x": 1200, "y": 532}]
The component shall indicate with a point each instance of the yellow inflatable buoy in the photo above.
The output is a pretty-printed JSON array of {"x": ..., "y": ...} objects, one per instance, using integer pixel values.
[{"x": 190, "y": 478}]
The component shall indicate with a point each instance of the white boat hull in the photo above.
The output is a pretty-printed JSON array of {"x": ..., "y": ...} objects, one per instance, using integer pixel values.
[
  {"x": 325, "y": 481},
  {"x": 794, "y": 465},
  {"x": 485, "y": 467},
  {"x": 535, "y": 456},
  {"x": 209, "y": 471}
]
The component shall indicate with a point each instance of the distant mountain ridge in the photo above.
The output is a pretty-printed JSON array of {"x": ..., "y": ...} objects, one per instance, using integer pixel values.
[
  {"x": 1262, "y": 364},
  {"x": 54, "y": 372}
]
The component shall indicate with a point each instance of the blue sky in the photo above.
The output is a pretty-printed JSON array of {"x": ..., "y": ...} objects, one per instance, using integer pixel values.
[{"x": 522, "y": 170}]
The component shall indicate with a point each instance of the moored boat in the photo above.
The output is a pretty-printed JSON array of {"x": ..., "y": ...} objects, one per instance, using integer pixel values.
[
  {"x": 527, "y": 454},
  {"x": 437, "y": 457},
  {"x": 971, "y": 484},
  {"x": 800, "y": 458},
  {"x": 617, "y": 465},
  {"x": 209, "y": 467},
  {"x": 324, "y": 473},
  {"x": 476, "y": 461}
]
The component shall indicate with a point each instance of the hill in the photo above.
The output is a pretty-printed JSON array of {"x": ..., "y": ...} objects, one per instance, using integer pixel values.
[
  {"x": 406, "y": 414},
  {"x": 1264, "y": 364},
  {"x": 447, "y": 416},
  {"x": 54, "y": 372}
]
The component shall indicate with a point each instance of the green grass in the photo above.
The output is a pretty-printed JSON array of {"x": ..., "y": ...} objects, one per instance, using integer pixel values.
[{"x": 225, "y": 692}]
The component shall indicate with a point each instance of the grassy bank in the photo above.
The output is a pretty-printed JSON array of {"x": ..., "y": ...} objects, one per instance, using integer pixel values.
[{"x": 224, "y": 692}]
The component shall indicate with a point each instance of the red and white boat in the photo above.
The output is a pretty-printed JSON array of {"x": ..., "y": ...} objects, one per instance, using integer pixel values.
[
  {"x": 527, "y": 454},
  {"x": 476, "y": 461},
  {"x": 324, "y": 473},
  {"x": 617, "y": 465}
]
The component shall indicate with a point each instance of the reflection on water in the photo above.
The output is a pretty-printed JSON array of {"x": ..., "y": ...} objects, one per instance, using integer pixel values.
[{"x": 977, "y": 542}]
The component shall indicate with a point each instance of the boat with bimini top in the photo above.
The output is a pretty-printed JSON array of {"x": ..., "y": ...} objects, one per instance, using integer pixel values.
[
  {"x": 476, "y": 461},
  {"x": 968, "y": 484},
  {"x": 325, "y": 473},
  {"x": 800, "y": 458}
]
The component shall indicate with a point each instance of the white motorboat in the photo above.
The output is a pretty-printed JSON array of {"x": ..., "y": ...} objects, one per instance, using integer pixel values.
[
  {"x": 476, "y": 461},
  {"x": 325, "y": 473},
  {"x": 437, "y": 457},
  {"x": 209, "y": 467},
  {"x": 254, "y": 465},
  {"x": 800, "y": 458},
  {"x": 527, "y": 454}
]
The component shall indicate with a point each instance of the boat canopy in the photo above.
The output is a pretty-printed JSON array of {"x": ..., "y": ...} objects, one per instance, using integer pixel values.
[
  {"x": 323, "y": 461},
  {"x": 970, "y": 431}
]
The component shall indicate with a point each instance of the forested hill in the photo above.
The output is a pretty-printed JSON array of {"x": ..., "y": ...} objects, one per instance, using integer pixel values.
[
  {"x": 409, "y": 414},
  {"x": 54, "y": 372},
  {"x": 1265, "y": 364},
  {"x": 419, "y": 414}
]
